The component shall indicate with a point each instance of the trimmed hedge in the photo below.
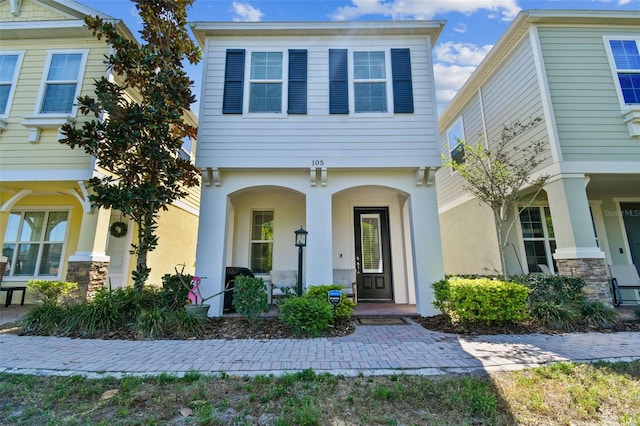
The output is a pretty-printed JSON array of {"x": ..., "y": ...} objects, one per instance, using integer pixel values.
[
  {"x": 321, "y": 292},
  {"x": 481, "y": 300}
]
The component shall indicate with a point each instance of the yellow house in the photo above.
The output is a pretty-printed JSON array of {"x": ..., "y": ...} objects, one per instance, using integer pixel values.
[{"x": 50, "y": 231}]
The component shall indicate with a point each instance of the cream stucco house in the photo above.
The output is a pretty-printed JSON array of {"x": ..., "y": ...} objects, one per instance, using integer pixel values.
[
  {"x": 329, "y": 126},
  {"x": 47, "y": 59},
  {"x": 580, "y": 72}
]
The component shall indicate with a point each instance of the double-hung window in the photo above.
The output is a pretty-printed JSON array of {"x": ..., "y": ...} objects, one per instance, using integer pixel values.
[
  {"x": 365, "y": 82},
  {"x": 627, "y": 65},
  {"x": 261, "y": 241},
  {"x": 370, "y": 82},
  {"x": 455, "y": 136},
  {"x": 270, "y": 84},
  {"x": 538, "y": 237},
  {"x": 624, "y": 57},
  {"x": 34, "y": 242},
  {"x": 9, "y": 64},
  {"x": 265, "y": 84},
  {"x": 61, "y": 84}
]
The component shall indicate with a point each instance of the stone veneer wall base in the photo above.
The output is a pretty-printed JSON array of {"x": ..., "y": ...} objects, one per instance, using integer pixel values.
[
  {"x": 594, "y": 272},
  {"x": 91, "y": 276}
]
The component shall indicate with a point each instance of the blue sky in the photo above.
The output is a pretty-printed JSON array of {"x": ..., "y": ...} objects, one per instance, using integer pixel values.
[{"x": 473, "y": 26}]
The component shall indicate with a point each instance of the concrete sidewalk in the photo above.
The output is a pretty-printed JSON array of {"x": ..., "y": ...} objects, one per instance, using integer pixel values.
[{"x": 371, "y": 350}]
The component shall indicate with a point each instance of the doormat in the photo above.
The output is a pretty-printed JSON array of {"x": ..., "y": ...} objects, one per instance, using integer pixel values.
[{"x": 382, "y": 321}]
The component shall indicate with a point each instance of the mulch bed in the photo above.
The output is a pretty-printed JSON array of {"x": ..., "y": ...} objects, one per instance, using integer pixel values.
[{"x": 272, "y": 328}]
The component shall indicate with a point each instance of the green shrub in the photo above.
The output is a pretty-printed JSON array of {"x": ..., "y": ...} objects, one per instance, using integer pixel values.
[
  {"x": 552, "y": 288},
  {"x": 250, "y": 297},
  {"x": 174, "y": 291},
  {"x": 481, "y": 300},
  {"x": 595, "y": 313},
  {"x": 636, "y": 311},
  {"x": 45, "y": 319},
  {"x": 153, "y": 323},
  {"x": 555, "y": 315},
  {"x": 321, "y": 292},
  {"x": 307, "y": 316},
  {"x": 51, "y": 291}
]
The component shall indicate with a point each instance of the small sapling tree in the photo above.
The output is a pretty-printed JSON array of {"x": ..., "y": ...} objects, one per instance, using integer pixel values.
[{"x": 498, "y": 175}]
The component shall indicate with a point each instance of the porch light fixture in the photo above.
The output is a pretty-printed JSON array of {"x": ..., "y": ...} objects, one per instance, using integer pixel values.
[{"x": 301, "y": 241}]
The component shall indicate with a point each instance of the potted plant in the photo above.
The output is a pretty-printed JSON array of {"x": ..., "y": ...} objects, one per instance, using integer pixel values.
[{"x": 196, "y": 305}]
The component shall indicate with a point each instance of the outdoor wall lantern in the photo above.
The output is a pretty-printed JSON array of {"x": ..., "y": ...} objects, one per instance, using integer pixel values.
[{"x": 301, "y": 241}]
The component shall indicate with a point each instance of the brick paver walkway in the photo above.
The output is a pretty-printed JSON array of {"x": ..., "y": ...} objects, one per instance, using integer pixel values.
[{"x": 371, "y": 350}]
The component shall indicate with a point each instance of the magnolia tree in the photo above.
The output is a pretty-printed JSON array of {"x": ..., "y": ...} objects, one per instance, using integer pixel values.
[
  {"x": 139, "y": 124},
  {"x": 498, "y": 175}
]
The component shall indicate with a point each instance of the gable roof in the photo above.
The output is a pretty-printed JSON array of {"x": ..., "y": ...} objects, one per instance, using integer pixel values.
[
  {"x": 70, "y": 22},
  {"x": 201, "y": 30},
  {"x": 518, "y": 29}
]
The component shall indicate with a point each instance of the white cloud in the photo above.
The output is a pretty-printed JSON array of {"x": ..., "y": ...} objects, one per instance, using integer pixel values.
[
  {"x": 422, "y": 9},
  {"x": 460, "y": 28},
  {"x": 245, "y": 12},
  {"x": 449, "y": 79},
  {"x": 623, "y": 2},
  {"x": 461, "y": 53}
]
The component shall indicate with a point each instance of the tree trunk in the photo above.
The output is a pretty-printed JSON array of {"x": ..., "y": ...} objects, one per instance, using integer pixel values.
[{"x": 501, "y": 244}]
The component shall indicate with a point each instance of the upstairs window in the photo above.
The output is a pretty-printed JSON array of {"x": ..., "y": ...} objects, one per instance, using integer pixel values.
[
  {"x": 9, "y": 63},
  {"x": 186, "y": 150},
  {"x": 627, "y": 65},
  {"x": 373, "y": 81},
  {"x": 62, "y": 82},
  {"x": 370, "y": 82},
  {"x": 265, "y": 86},
  {"x": 455, "y": 136}
]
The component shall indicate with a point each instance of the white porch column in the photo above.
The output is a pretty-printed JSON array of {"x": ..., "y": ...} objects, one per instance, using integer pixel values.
[
  {"x": 318, "y": 259},
  {"x": 427, "y": 248},
  {"x": 89, "y": 265},
  {"x": 572, "y": 224},
  {"x": 211, "y": 250},
  {"x": 577, "y": 253}
]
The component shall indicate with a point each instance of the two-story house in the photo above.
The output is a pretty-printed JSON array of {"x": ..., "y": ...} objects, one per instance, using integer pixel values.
[
  {"x": 580, "y": 72},
  {"x": 50, "y": 231},
  {"x": 329, "y": 126}
]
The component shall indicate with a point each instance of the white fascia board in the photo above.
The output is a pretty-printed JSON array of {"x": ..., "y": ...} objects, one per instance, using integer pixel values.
[{"x": 44, "y": 175}]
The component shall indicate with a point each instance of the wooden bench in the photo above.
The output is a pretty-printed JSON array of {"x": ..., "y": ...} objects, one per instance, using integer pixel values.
[{"x": 10, "y": 291}]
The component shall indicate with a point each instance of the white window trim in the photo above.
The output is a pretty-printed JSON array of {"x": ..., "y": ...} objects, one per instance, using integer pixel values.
[
  {"x": 545, "y": 238},
  {"x": 40, "y": 121},
  {"x": 284, "y": 85},
  {"x": 252, "y": 241},
  {"x": 14, "y": 81},
  {"x": 630, "y": 112},
  {"x": 63, "y": 258},
  {"x": 387, "y": 80}
]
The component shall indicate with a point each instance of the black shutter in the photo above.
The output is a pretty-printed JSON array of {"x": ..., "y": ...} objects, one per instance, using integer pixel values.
[
  {"x": 402, "y": 85},
  {"x": 233, "y": 82},
  {"x": 297, "y": 81},
  {"x": 338, "y": 82}
]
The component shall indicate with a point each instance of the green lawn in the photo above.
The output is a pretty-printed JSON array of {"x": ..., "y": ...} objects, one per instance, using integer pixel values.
[{"x": 562, "y": 394}]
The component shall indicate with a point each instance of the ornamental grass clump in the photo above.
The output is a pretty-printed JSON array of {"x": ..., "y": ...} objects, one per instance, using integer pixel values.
[{"x": 481, "y": 300}]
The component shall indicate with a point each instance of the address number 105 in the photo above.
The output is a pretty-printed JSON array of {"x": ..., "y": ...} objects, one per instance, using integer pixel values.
[{"x": 317, "y": 162}]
